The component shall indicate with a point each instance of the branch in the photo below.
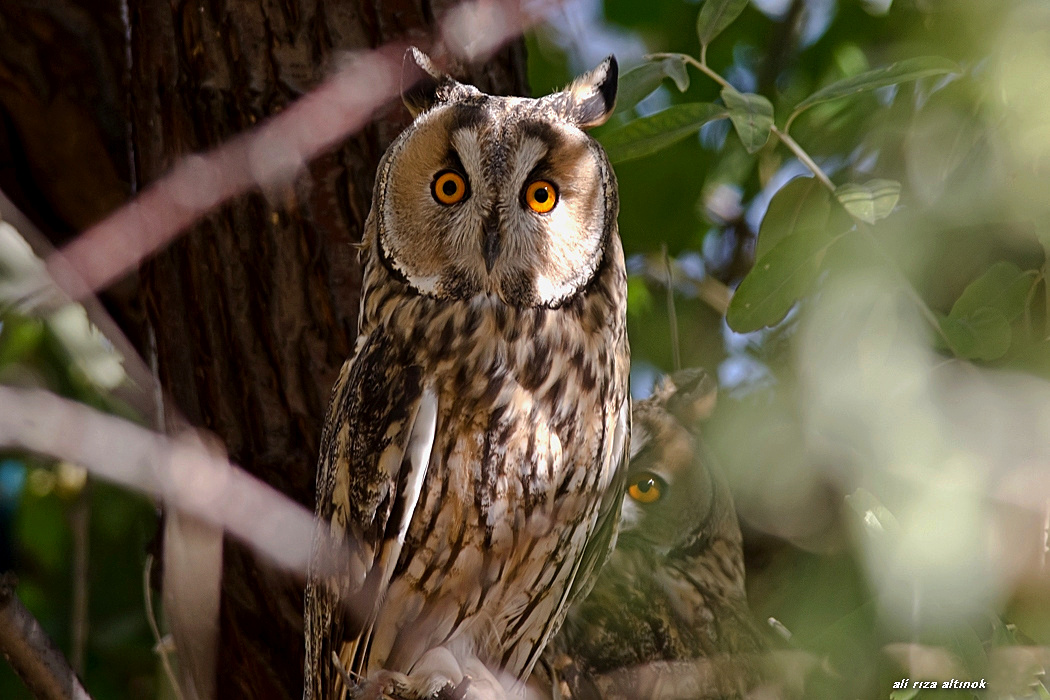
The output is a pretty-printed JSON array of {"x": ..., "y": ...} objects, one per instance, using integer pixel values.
[
  {"x": 31, "y": 652},
  {"x": 181, "y": 471}
]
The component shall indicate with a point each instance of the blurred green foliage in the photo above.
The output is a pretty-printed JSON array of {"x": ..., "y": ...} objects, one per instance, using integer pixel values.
[
  {"x": 871, "y": 179},
  {"x": 42, "y": 504}
]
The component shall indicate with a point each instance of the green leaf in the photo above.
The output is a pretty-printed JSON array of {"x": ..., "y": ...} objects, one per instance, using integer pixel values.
[
  {"x": 648, "y": 135},
  {"x": 982, "y": 335},
  {"x": 908, "y": 694},
  {"x": 752, "y": 117},
  {"x": 871, "y": 201},
  {"x": 803, "y": 203},
  {"x": 19, "y": 338},
  {"x": 776, "y": 282},
  {"x": 893, "y": 74},
  {"x": 639, "y": 299},
  {"x": 715, "y": 16},
  {"x": 639, "y": 82},
  {"x": 1003, "y": 287}
]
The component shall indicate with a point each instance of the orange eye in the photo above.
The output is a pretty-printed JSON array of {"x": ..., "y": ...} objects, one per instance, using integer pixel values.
[
  {"x": 541, "y": 196},
  {"x": 449, "y": 187},
  {"x": 646, "y": 488}
]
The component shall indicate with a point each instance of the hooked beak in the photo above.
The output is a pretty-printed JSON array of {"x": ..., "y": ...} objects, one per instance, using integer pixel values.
[{"x": 491, "y": 242}]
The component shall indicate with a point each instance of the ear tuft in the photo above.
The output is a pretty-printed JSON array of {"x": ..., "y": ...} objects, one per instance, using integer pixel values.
[
  {"x": 590, "y": 98},
  {"x": 420, "y": 81},
  {"x": 694, "y": 397}
]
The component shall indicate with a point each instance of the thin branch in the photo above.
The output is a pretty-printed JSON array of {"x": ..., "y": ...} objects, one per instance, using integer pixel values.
[
  {"x": 31, "y": 652},
  {"x": 801, "y": 154},
  {"x": 672, "y": 316},
  {"x": 79, "y": 522},
  {"x": 160, "y": 646},
  {"x": 699, "y": 65}
]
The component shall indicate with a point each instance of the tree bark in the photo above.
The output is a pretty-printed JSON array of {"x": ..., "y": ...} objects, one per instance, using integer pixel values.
[{"x": 254, "y": 310}]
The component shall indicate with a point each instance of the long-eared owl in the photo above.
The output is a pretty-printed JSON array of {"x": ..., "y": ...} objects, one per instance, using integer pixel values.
[
  {"x": 673, "y": 588},
  {"x": 475, "y": 441}
]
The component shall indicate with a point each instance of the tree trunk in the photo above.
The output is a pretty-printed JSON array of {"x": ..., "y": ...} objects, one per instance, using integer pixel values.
[{"x": 254, "y": 310}]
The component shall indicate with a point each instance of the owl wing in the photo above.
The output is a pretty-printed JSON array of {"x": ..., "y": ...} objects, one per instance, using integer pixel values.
[
  {"x": 602, "y": 540},
  {"x": 375, "y": 450}
]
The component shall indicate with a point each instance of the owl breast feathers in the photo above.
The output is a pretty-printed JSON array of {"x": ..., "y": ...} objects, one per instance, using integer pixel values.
[{"x": 475, "y": 441}]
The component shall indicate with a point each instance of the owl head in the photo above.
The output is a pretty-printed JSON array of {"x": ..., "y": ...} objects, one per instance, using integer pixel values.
[
  {"x": 500, "y": 196},
  {"x": 675, "y": 499}
]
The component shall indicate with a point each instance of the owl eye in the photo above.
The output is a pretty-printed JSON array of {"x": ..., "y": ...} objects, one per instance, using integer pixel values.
[
  {"x": 646, "y": 488},
  {"x": 448, "y": 187},
  {"x": 541, "y": 196}
]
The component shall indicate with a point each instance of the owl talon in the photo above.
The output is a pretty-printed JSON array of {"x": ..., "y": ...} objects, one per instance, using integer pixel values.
[
  {"x": 460, "y": 691},
  {"x": 385, "y": 685}
]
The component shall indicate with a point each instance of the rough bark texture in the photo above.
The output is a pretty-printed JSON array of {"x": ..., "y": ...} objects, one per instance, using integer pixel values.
[{"x": 254, "y": 310}]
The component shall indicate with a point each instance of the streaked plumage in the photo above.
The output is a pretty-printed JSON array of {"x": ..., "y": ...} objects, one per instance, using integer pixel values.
[
  {"x": 475, "y": 441},
  {"x": 673, "y": 589}
]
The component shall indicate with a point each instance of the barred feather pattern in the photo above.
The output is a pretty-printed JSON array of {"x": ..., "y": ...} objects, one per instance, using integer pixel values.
[
  {"x": 475, "y": 445},
  {"x": 531, "y": 428}
]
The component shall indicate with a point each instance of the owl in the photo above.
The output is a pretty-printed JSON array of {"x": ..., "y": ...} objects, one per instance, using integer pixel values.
[
  {"x": 475, "y": 443},
  {"x": 673, "y": 588}
]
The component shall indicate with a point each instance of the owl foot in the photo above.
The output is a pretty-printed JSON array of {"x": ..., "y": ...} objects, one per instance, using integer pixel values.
[
  {"x": 384, "y": 685},
  {"x": 454, "y": 692}
]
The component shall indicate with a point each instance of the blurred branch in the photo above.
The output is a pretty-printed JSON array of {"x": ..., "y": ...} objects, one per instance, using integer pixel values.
[
  {"x": 43, "y": 294},
  {"x": 676, "y": 350},
  {"x": 181, "y": 471},
  {"x": 31, "y": 653},
  {"x": 80, "y": 521}
]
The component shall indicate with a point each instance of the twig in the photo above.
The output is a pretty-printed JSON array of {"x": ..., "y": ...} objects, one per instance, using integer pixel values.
[
  {"x": 699, "y": 65},
  {"x": 801, "y": 154},
  {"x": 159, "y": 645},
  {"x": 80, "y": 521},
  {"x": 676, "y": 350},
  {"x": 31, "y": 652}
]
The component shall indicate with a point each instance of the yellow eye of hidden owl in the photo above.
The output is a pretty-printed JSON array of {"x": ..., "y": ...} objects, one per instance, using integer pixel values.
[
  {"x": 646, "y": 488},
  {"x": 541, "y": 196},
  {"x": 449, "y": 187}
]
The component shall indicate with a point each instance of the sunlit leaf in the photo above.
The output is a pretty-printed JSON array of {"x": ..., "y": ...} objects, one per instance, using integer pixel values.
[
  {"x": 894, "y": 74},
  {"x": 876, "y": 519},
  {"x": 639, "y": 299},
  {"x": 776, "y": 282},
  {"x": 870, "y": 201},
  {"x": 1003, "y": 287},
  {"x": 648, "y": 135},
  {"x": 803, "y": 203},
  {"x": 982, "y": 335},
  {"x": 19, "y": 338},
  {"x": 639, "y": 82},
  {"x": 715, "y": 16},
  {"x": 752, "y": 116}
]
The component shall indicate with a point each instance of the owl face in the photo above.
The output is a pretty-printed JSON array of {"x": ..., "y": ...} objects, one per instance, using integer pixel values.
[
  {"x": 673, "y": 500},
  {"x": 500, "y": 196}
]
